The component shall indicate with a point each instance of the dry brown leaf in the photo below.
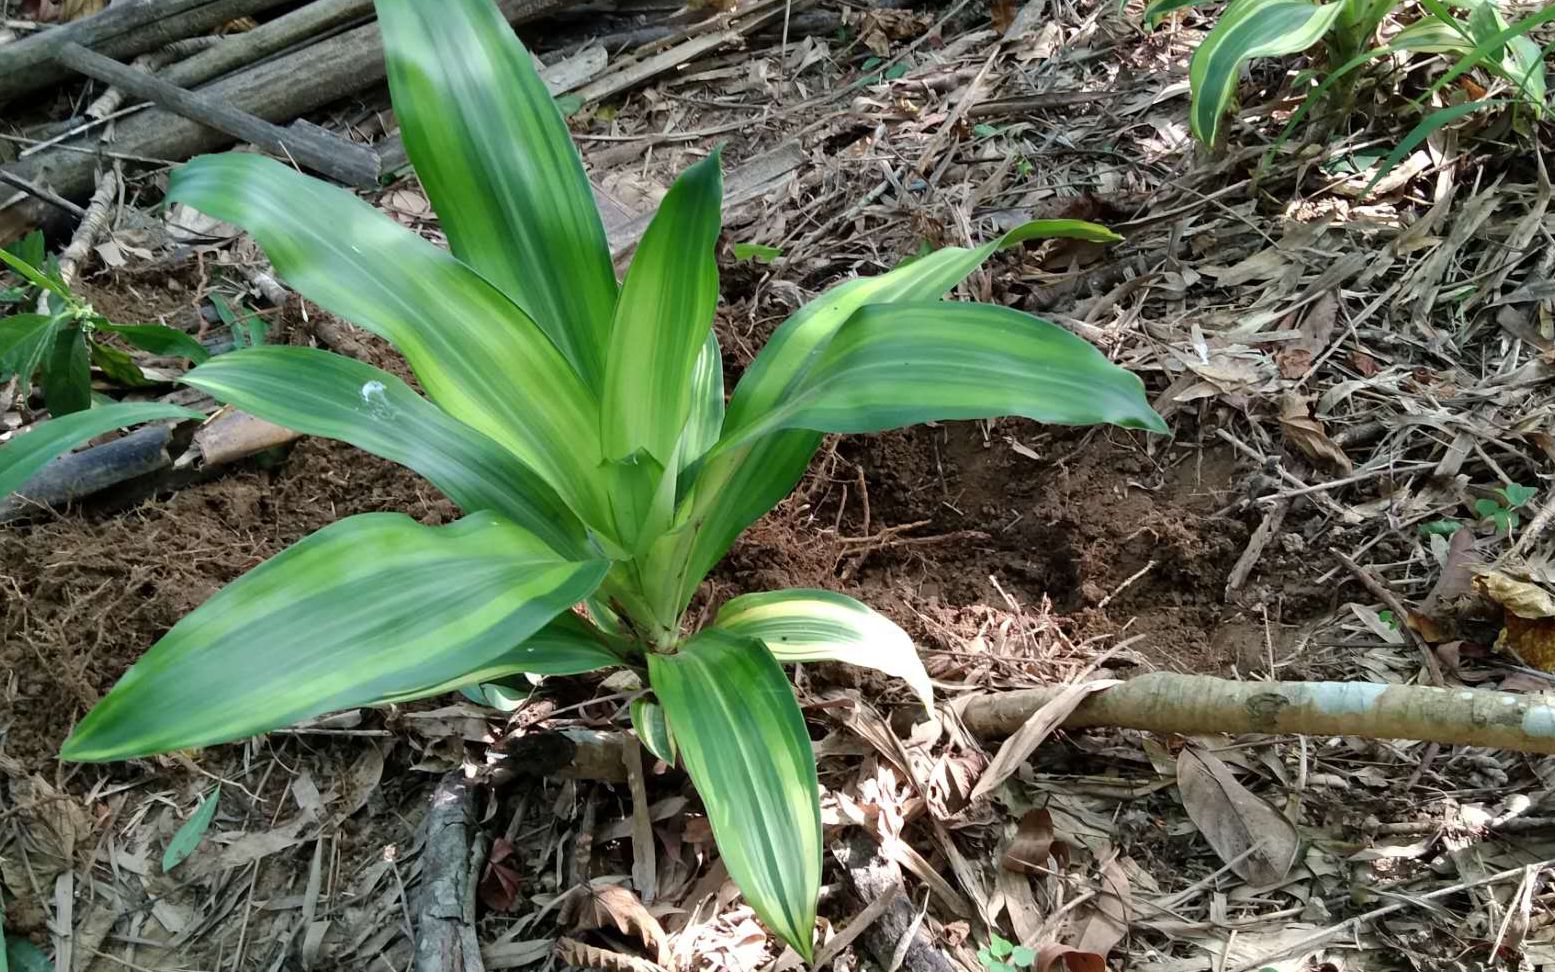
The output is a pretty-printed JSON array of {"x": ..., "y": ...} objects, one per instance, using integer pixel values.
[
  {"x": 1104, "y": 923},
  {"x": 1019, "y": 747},
  {"x": 1034, "y": 843},
  {"x": 1256, "y": 840},
  {"x": 1528, "y": 621},
  {"x": 1053, "y": 957},
  {"x": 1002, "y": 12},
  {"x": 1364, "y": 364},
  {"x": 590, "y": 906},
  {"x": 1518, "y": 595},
  {"x": 1307, "y": 434},
  {"x": 578, "y": 955},
  {"x": 1316, "y": 327},
  {"x": 499, "y": 883}
]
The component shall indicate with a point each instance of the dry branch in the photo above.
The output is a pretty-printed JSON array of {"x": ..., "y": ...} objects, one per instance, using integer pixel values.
[
  {"x": 349, "y": 162},
  {"x": 1169, "y": 702},
  {"x": 127, "y": 28},
  {"x": 445, "y": 903},
  {"x": 277, "y": 90}
]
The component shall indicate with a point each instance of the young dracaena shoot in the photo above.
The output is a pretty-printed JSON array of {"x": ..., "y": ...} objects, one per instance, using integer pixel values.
[{"x": 581, "y": 426}]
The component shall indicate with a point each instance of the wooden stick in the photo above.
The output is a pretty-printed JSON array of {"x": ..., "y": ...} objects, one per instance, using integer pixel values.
[
  {"x": 1186, "y": 704},
  {"x": 302, "y": 25},
  {"x": 450, "y": 868},
  {"x": 343, "y": 161},
  {"x": 276, "y": 90},
  {"x": 127, "y": 28}
]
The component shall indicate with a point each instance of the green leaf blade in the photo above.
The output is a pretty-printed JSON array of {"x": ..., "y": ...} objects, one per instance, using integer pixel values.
[
  {"x": 742, "y": 739},
  {"x": 189, "y": 835},
  {"x": 663, "y": 318},
  {"x": 651, "y": 727},
  {"x": 160, "y": 339},
  {"x": 329, "y": 395},
  {"x": 904, "y": 364},
  {"x": 471, "y": 347},
  {"x": 499, "y": 166},
  {"x": 803, "y": 625},
  {"x": 1248, "y": 29},
  {"x": 26, "y": 454},
  {"x": 368, "y": 608}
]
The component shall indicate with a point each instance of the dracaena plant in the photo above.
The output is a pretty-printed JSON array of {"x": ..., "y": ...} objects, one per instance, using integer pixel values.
[
  {"x": 1249, "y": 29},
  {"x": 581, "y": 425}
]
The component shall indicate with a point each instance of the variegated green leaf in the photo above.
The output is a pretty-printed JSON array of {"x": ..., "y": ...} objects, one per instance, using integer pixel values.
[
  {"x": 907, "y": 363},
  {"x": 567, "y": 645},
  {"x": 649, "y": 723},
  {"x": 27, "y": 453},
  {"x": 735, "y": 488},
  {"x": 707, "y": 404},
  {"x": 742, "y": 739},
  {"x": 369, "y": 608},
  {"x": 1157, "y": 10},
  {"x": 330, "y": 395},
  {"x": 663, "y": 318},
  {"x": 499, "y": 166},
  {"x": 475, "y": 352},
  {"x": 815, "y": 625},
  {"x": 1245, "y": 30}
]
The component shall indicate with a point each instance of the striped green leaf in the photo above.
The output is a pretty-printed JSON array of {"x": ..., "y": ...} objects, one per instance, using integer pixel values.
[
  {"x": 367, "y": 609},
  {"x": 651, "y": 727},
  {"x": 26, "y": 454},
  {"x": 902, "y": 364},
  {"x": 567, "y": 645},
  {"x": 476, "y": 353},
  {"x": 1423, "y": 129},
  {"x": 706, "y": 420},
  {"x": 158, "y": 339},
  {"x": 743, "y": 741},
  {"x": 336, "y": 397},
  {"x": 738, "y": 486},
  {"x": 500, "y": 168},
  {"x": 1157, "y": 10},
  {"x": 1245, "y": 30},
  {"x": 816, "y": 625},
  {"x": 790, "y": 350},
  {"x": 663, "y": 318}
]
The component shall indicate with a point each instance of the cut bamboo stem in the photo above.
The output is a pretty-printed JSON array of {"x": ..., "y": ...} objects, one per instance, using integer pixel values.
[
  {"x": 1169, "y": 702},
  {"x": 128, "y": 28}
]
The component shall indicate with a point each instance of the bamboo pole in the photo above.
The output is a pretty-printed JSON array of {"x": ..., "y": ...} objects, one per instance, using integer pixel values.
[{"x": 1169, "y": 702}]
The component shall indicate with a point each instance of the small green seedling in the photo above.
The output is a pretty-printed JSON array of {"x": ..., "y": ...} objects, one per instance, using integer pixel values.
[
  {"x": 1503, "y": 512},
  {"x": 1002, "y": 955},
  {"x": 191, "y": 833},
  {"x": 249, "y": 330},
  {"x": 758, "y": 252},
  {"x": 60, "y": 345},
  {"x": 1388, "y": 618},
  {"x": 1347, "y": 31}
]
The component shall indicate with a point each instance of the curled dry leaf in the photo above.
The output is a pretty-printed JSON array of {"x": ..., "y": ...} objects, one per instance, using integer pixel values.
[
  {"x": 1528, "y": 623},
  {"x": 499, "y": 881},
  {"x": 1256, "y": 840},
  {"x": 600, "y": 905},
  {"x": 1019, "y": 747},
  {"x": 1053, "y": 957},
  {"x": 1308, "y": 434},
  {"x": 1034, "y": 843},
  {"x": 574, "y": 954},
  {"x": 1104, "y": 923}
]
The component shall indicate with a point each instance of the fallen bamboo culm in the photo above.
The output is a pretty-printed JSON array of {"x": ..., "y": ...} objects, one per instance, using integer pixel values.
[{"x": 1168, "y": 702}]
